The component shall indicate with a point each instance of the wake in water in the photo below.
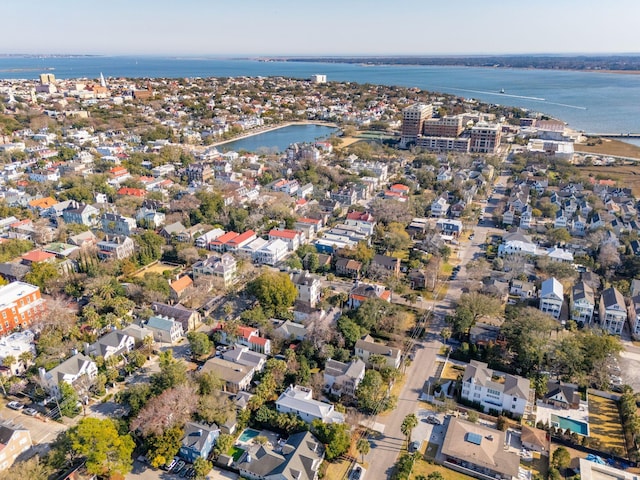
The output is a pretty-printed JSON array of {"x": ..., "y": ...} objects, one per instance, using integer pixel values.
[{"x": 500, "y": 94}]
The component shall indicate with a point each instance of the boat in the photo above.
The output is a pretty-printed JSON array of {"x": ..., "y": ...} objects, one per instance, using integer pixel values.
[{"x": 502, "y": 90}]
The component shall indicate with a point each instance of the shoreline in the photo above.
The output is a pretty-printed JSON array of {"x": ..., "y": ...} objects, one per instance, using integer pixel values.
[{"x": 260, "y": 130}]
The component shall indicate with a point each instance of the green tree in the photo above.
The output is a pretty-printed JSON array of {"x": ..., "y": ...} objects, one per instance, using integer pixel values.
[
  {"x": 106, "y": 451},
  {"x": 372, "y": 393},
  {"x": 135, "y": 396},
  {"x": 172, "y": 373},
  {"x": 68, "y": 400},
  {"x": 408, "y": 424},
  {"x": 41, "y": 274},
  {"x": 561, "y": 458},
  {"x": 334, "y": 435},
  {"x": 200, "y": 344},
  {"x": 162, "y": 448},
  {"x": 33, "y": 469},
  {"x": 445, "y": 252},
  {"x": 223, "y": 443},
  {"x": 275, "y": 291},
  {"x": 201, "y": 467},
  {"x": 363, "y": 446},
  {"x": 472, "y": 306}
]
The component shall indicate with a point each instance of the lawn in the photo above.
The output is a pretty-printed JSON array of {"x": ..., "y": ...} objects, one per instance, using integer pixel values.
[
  {"x": 605, "y": 423},
  {"x": 422, "y": 467},
  {"x": 235, "y": 452},
  {"x": 159, "y": 267},
  {"x": 446, "y": 269},
  {"x": 539, "y": 465},
  {"x": 337, "y": 469},
  {"x": 451, "y": 371},
  {"x": 610, "y": 147}
]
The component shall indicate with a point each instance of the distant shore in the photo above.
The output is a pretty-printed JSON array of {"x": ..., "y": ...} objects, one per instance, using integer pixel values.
[{"x": 260, "y": 130}]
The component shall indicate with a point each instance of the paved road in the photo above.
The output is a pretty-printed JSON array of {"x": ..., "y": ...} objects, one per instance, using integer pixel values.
[{"x": 385, "y": 449}]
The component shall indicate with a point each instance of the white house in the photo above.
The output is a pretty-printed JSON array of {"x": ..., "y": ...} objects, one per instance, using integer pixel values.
[
  {"x": 440, "y": 206},
  {"x": 613, "y": 312},
  {"x": 343, "y": 378},
  {"x": 308, "y": 286},
  {"x": 78, "y": 371},
  {"x": 582, "y": 303},
  {"x": 365, "y": 348},
  {"x": 165, "y": 329},
  {"x": 112, "y": 344},
  {"x": 299, "y": 401},
  {"x": 551, "y": 297},
  {"x": 495, "y": 390},
  {"x": 271, "y": 253}
]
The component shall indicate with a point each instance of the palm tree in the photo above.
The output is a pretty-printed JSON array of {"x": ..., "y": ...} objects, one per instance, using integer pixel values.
[
  {"x": 377, "y": 361},
  {"x": 408, "y": 424},
  {"x": 8, "y": 362},
  {"x": 26, "y": 357},
  {"x": 363, "y": 446}
]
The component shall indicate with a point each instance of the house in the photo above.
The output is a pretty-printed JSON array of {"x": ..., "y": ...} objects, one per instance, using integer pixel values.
[
  {"x": 592, "y": 469},
  {"x": 452, "y": 228},
  {"x": 348, "y": 267},
  {"x": 198, "y": 441},
  {"x": 535, "y": 440},
  {"x": 223, "y": 268},
  {"x": 343, "y": 378},
  {"x": 37, "y": 256},
  {"x": 114, "y": 223},
  {"x": 634, "y": 315},
  {"x": 440, "y": 206},
  {"x": 13, "y": 272},
  {"x": 113, "y": 344},
  {"x": 150, "y": 217},
  {"x": 517, "y": 244},
  {"x": 385, "y": 262},
  {"x": 562, "y": 395},
  {"x": 172, "y": 230},
  {"x": 309, "y": 287},
  {"x": 189, "y": 318},
  {"x": 140, "y": 335},
  {"x": 78, "y": 371},
  {"x": 613, "y": 311},
  {"x": 203, "y": 240},
  {"x": 362, "y": 220},
  {"x": 82, "y": 214},
  {"x": 551, "y": 297},
  {"x": 180, "y": 288},
  {"x": 299, "y": 401},
  {"x": 366, "y": 347},
  {"x": 582, "y": 303},
  {"x": 243, "y": 356},
  {"x": 288, "y": 330},
  {"x": 483, "y": 334},
  {"x": 478, "y": 451},
  {"x": 250, "y": 337},
  {"x": 271, "y": 253},
  {"x": 14, "y": 441},
  {"x": 494, "y": 390},
  {"x": 364, "y": 291},
  {"x": 561, "y": 220},
  {"x": 115, "y": 246},
  {"x": 522, "y": 289},
  {"x": 292, "y": 238},
  {"x": 298, "y": 459},
  {"x": 236, "y": 377},
  {"x": 165, "y": 330},
  {"x": 84, "y": 239},
  {"x": 526, "y": 216}
]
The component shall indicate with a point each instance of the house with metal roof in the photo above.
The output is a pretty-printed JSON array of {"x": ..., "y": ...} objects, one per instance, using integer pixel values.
[
  {"x": 299, "y": 401},
  {"x": 198, "y": 441},
  {"x": 165, "y": 329}
]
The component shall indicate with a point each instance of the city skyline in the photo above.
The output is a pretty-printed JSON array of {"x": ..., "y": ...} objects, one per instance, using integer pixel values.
[{"x": 289, "y": 28}]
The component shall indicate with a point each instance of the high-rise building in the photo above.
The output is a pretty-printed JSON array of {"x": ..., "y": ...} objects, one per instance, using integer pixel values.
[
  {"x": 46, "y": 78},
  {"x": 413, "y": 118},
  {"x": 485, "y": 138},
  {"x": 20, "y": 305},
  {"x": 443, "y": 127},
  {"x": 316, "y": 78}
]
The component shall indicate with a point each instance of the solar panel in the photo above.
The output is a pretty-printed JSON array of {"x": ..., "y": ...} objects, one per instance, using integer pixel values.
[{"x": 474, "y": 438}]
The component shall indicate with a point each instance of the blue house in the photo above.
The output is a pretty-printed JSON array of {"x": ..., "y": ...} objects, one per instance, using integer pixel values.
[{"x": 198, "y": 440}]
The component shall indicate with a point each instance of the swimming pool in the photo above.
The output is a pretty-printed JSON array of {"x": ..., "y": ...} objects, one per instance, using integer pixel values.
[
  {"x": 248, "y": 435},
  {"x": 575, "y": 426}
]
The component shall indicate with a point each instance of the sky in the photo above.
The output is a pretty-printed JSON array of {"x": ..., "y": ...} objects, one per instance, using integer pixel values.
[{"x": 312, "y": 28}]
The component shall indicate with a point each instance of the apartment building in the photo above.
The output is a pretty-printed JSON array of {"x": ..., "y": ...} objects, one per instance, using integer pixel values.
[
  {"x": 20, "y": 305},
  {"x": 450, "y": 126},
  {"x": 485, "y": 138},
  {"x": 413, "y": 118}
]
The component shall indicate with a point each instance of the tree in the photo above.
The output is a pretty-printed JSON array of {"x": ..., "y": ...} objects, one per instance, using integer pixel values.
[
  {"x": 172, "y": 373},
  {"x": 396, "y": 238},
  {"x": 106, "y": 451},
  {"x": 135, "y": 396},
  {"x": 472, "y": 306},
  {"x": 274, "y": 290},
  {"x": 445, "y": 252},
  {"x": 363, "y": 446},
  {"x": 561, "y": 458},
  {"x": 215, "y": 408},
  {"x": 33, "y": 469},
  {"x": 334, "y": 435},
  {"x": 223, "y": 443},
  {"x": 608, "y": 256},
  {"x": 41, "y": 274},
  {"x": 408, "y": 424},
  {"x": 68, "y": 400},
  {"x": 172, "y": 408},
  {"x": 201, "y": 468},
  {"x": 164, "y": 447},
  {"x": 372, "y": 393},
  {"x": 199, "y": 343},
  {"x": 445, "y": 333},
  {"x": 559, "y": 235}
]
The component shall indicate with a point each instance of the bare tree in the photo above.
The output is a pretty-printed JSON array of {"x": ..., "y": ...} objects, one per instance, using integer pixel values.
[
  {"x": 171, "y": 408},
  {"x": 608, "y": 256}
]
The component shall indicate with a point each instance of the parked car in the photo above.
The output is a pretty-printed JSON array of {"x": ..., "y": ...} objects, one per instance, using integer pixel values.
[
  {"x": 356, "y": 473},
  {"x": 433, "y": 420},
  {"x": 32, "y": 412},
  {"x": 414, "y": 446},
  {"x": 15, "y": 405}
]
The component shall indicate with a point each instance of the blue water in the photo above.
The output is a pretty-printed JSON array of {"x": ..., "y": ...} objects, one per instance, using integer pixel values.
[
  {"x": 247, "y": 435},
  {"x": 276, "y": 141},
  {"x": 580, "y": 428},
  {"x": 594, "y": 102}
]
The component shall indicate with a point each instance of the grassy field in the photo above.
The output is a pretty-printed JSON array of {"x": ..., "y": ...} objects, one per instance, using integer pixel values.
[
  {"x": 337, "y": 469},
  {"x": 159, "y": 267},
  {"x": 612, "y": 147},
  {"x": 604, "y": 423},
  {"x": 625, "y": 175},
  {"x": 424, "y": 468}
]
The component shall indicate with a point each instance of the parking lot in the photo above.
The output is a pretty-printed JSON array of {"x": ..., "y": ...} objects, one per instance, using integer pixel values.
[{"x": 42, "y": 430}]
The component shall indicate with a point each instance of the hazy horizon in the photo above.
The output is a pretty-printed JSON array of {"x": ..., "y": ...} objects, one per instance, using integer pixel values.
[{"x": 254, "y": 28}]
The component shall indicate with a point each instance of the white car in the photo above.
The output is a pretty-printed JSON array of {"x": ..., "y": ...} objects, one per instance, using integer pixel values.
[{"x": 15, "y": 405}]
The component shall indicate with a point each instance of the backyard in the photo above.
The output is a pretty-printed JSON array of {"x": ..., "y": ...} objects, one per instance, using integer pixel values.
[
  {"x": 158, "y": 267},
  {"x": 605, "y": 424}
]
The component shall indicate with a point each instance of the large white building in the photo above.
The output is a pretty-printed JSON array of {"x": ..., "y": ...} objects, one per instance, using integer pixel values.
[
  {"x": 495, "y": 390},
  {"x": 299, "y": 401},
  {"x": 551, "y": 297}
]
